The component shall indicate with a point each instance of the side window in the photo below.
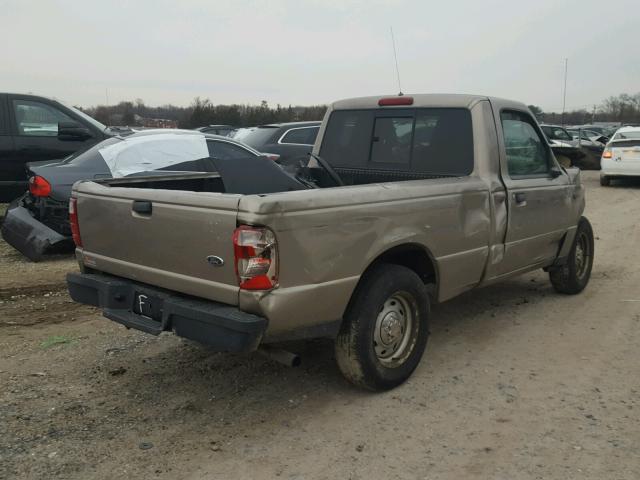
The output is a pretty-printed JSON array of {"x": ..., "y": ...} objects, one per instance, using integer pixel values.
[
  {"x": 226, "y": 150},
  {"x": 301, "y": 136},
  {"x": 527, "y": 152},
  {"x": 391, "y": 141},
  {"x": 37, "y": 119}
]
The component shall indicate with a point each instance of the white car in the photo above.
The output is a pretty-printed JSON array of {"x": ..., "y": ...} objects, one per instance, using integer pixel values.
[{"x": 621, "y": 156}]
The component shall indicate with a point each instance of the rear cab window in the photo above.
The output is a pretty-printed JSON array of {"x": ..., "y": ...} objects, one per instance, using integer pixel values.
[{"x": 420, "y": 142}]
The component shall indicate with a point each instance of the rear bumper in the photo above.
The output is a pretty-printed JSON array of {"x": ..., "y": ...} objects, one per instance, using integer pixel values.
[
  {"x": 222, "y": 327},
  {"x": 622, "y": 168},
  {"x": 29, "y": 236}
]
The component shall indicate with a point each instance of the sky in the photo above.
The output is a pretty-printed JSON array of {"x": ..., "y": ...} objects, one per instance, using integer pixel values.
[{"x": 309, "y": 52}]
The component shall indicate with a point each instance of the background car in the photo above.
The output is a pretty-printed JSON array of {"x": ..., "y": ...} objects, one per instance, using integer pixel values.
[
  {"x": 564, "y": 147},
  {"x": 34, "y": 128},
  {"x": 37, "y": 223},
  {"x": 292, "y": 141},
  {"x": 558, "y": 133},
  {"x": 621, "y": 156},
  {"x": 222, "y": 130}
]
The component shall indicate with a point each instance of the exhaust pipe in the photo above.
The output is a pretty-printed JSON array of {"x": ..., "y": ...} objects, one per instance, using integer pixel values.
[{"x": 279, "y": 355}]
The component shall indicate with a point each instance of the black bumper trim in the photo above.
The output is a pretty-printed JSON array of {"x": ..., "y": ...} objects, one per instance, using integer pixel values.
[
  {"x": 223, "y": 327},
  {"x": 29, "y": 236}
]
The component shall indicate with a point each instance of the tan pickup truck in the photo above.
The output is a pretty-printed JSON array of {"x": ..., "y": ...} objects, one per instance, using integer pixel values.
[{"x": 407, "y": 200}]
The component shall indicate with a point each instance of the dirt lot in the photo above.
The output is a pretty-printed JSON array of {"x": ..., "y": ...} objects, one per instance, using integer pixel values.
[{"x": 518, "y": 382}]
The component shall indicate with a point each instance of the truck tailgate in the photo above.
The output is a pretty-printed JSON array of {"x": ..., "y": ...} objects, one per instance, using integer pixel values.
[{"x": 169, "y": 246}]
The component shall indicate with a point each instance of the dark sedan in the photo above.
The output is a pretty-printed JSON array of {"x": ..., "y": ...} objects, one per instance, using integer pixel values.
[
  {"x": 37, "y": 223},
  {"x": 292, "y": 141}
]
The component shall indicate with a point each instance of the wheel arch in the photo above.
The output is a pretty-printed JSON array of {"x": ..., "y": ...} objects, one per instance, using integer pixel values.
[{"x": 415, "y": 257}]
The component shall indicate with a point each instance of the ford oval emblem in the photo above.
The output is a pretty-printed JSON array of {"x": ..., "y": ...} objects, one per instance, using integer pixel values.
[{"x": 215, "y": 260}]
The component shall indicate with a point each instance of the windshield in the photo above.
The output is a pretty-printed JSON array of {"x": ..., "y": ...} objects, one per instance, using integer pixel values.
[
  {"x": 255, "y": 137},
  {"x": 556, "y": 133},
  {"x": 88, "y": 118},
  {"x": 629, "y": 135}
]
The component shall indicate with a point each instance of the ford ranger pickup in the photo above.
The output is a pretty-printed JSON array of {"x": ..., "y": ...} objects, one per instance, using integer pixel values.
[{"x": 406, "y": 201}]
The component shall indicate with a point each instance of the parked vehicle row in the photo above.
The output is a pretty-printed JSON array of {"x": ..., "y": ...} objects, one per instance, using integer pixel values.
[
  {"x": 407, "y": 201},
  {"x": 293, "y": 141},
  {"x": 37, "y": 223}
]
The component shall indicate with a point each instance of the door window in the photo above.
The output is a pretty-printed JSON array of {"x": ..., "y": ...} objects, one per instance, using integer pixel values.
[
  {"x": 225, "y": 150},
  {"x": 527, "y": 153},
  {"x": 37, "y": 119},
  {"x": 301, "y": 136}
]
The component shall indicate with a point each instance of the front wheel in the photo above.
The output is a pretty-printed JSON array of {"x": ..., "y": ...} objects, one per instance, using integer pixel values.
[
  {"x": 385, "y": 329},
  {"x": 573, "y": 276},
  {"x": 605, "y": 181}
]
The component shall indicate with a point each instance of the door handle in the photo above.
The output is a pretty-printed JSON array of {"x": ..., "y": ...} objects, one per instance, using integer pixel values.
[
  {"x": 520, "y": 198},
  {"x": 142, "y": 207}
]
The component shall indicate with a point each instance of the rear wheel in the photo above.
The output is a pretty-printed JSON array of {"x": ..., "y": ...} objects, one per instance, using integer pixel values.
[
  {"x": 605, "y": 181},
  {"x": 573, "y": 276},
  {"x": 564, "y": 161},
  {"x": 385, "y": 329}
]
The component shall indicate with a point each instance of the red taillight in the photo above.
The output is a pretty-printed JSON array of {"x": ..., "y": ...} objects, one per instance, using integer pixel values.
[
  {"x": 384, "y": 102},
  {"x": 73, "y": 220},
  {"x": 256, "y": 257},
  {"x": 39, "y": 187},
  {"x": 607, "y": 154}
]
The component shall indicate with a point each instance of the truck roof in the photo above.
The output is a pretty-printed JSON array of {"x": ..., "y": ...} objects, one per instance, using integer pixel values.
[{"x": 423, "y": 100}]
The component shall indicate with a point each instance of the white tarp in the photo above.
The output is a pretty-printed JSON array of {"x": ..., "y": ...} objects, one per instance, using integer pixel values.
[{"x": 151, "y": 152}]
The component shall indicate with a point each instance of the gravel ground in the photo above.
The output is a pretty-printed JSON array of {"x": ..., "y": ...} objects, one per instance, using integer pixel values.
[{"x": 518, "y": 382}]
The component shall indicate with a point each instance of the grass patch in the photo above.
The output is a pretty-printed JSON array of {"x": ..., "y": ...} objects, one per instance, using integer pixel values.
[{"x": 55, "y": 340}]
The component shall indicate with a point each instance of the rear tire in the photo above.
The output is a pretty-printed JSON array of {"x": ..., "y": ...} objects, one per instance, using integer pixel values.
[
  {"x": 605, "y": 181},
  {"x": 385, "y": 329},
  {"x": 573, "y": 276}
]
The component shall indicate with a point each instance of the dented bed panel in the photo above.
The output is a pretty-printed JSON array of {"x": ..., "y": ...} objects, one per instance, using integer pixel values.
[{"x": 331, "y": 234}]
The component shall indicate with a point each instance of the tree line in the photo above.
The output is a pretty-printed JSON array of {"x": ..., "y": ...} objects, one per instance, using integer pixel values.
[
  {"x": 623, "y": 108},
  {"x": 203, "y": 112}
]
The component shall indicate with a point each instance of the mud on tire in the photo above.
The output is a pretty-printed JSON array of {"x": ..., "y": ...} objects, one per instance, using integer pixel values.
[
  {"x": 385, "y": 329},
  {"x": 573, "y": 276}
]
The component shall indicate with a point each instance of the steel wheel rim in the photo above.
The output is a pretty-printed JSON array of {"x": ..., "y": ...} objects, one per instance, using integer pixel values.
[
  {"x": 395, "y": 328},
  {"x": 582, "y": 255}
]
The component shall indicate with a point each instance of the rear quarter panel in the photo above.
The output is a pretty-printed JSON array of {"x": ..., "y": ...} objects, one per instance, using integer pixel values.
[{"x": 328, "y": 237}]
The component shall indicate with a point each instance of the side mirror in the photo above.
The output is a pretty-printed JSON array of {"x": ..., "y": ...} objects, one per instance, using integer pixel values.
[
  {"x": 72, "y": 131},
  {"x": 555, "y": 172}
]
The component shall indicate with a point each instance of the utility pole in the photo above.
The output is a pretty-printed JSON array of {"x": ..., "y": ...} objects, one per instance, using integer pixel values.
[
  {"x": 593, "y": 115},
  {"x": 564, "y": 94}
]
